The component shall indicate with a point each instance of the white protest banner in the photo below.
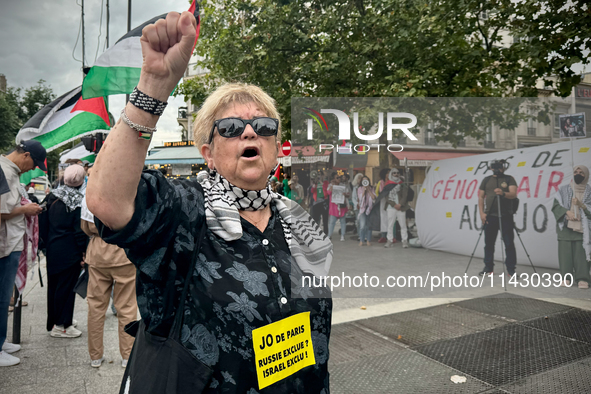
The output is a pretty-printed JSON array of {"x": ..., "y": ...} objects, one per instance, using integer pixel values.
[
  {"x": 447, "y": 208},
  {"x": 338, "y": 194}
]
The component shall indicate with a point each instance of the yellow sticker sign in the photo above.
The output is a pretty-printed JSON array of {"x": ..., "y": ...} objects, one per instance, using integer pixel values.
[
  {"x": 584, "y": 150},
  {"x": 521, "y": 164},
  {"x": 448, "y": 214},
  {"x": 282, "y": 348},
  {"x": 436, "y": 169},
  {"x": 424, "y": 190},
  {"x": 470, "y": 169}
]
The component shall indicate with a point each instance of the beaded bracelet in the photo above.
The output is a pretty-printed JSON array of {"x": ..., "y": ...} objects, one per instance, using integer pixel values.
[{"x": 144, "y": 132}]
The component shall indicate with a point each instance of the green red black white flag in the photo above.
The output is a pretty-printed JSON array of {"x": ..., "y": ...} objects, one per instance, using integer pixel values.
[
  {"x": 117, "y": 70},
  {"x": 65, "y": 119}
]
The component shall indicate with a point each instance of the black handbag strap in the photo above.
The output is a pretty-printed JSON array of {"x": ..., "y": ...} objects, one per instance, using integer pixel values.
[{"x": 175, "y": 331}]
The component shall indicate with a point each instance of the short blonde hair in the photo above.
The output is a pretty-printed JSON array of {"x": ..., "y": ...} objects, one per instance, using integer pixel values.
[{"x": 221, "y": 99}]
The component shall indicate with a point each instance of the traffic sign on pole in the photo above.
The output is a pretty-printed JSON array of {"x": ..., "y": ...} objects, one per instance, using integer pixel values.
[{"x": 286, "y": 148}]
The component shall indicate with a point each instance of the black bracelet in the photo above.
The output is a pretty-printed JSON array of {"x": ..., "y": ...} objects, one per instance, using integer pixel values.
[{"x": 147, "y": 103}]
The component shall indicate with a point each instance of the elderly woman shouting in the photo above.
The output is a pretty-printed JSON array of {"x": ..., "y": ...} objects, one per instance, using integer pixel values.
[{"x": 222, "y": 260}]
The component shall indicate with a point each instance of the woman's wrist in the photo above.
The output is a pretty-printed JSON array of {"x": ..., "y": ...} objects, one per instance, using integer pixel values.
[
  {"x": 155, "y": 87},
  {"x": 137, "y": 115}
]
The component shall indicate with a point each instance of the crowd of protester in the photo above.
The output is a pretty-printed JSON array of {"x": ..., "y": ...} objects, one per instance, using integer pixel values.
[
  {"x": 383, "y": 207},
  {"x": 63, "y": 229},
  {"x": 71, "y": 242}
]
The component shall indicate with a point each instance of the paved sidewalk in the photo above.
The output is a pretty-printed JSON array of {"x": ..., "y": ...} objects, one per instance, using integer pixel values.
[
  {"x": 365, "y": 344},
  {"x": 59, "y": 365},
  {"x": 499, "y": 344}
]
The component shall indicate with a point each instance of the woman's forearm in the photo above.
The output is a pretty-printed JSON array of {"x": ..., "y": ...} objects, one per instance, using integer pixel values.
[
  {"x": 116, "y": 173},
  {"x": 112, "y": 187}
]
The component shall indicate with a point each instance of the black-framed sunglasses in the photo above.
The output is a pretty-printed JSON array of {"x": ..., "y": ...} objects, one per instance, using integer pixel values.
[{"x": 234, "y": 127}]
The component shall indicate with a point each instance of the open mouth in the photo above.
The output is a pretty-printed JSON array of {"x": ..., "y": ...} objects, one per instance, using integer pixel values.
[{"x": 251, "y": 152}]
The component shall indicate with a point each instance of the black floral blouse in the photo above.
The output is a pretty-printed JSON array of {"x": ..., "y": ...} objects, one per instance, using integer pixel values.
[{"x": 236, "y": 287}]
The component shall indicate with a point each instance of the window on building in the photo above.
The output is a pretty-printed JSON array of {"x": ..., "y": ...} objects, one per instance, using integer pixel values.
[
  {"x": 556, "y": 130},
  {"x": 430, "y": 135},
  {"x": 531, "y": 123},
  {"x": 488, "y": 138}
]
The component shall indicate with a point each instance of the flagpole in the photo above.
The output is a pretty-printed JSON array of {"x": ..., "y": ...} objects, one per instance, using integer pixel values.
[
  {"x": 83, "y": 49},
  {"x": 573, "y": 110},
  {"x": 108, "y": 19},
  {"x": 128, "y": 30}
]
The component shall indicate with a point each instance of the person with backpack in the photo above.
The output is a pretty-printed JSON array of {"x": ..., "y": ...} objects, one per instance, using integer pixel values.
[{"x": 495, "y": 187}]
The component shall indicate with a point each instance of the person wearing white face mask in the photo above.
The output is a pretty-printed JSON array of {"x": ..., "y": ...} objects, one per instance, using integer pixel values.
[
  {"x": 573, "y": 228},
  {"x": 396, "y": 207}
]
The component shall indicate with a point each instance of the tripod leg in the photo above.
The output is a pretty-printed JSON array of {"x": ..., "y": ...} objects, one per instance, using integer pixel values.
[
  {"x": 502, "y": 240},
  {"x": 527, "y": 254},
  {"x": 475, "y": 246}
]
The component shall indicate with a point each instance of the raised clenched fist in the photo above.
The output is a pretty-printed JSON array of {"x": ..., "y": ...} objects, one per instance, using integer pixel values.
[{"x": 166, "y": 48}]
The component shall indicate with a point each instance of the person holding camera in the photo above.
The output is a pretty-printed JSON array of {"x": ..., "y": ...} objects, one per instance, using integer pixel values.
[{"x": 497, "y": 190}]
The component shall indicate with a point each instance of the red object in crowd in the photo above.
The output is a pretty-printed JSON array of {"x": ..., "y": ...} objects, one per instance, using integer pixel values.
[{"x": 286, "y": 148}]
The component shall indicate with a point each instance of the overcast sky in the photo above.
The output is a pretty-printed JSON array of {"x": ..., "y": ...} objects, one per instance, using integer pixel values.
[{"x": 37, "y": 39}]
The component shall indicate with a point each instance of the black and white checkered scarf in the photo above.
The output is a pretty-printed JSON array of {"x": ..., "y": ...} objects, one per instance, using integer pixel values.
[
  {"x": 70, "y": 196},
  {"x": 308, "y": 244}
]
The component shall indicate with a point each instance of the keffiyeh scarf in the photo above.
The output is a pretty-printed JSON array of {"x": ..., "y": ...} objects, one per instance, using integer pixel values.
[
  {"x": 26, "y": 260},
  {"x": 70, "y": 196},
  {"x": 309, "y": 246}
]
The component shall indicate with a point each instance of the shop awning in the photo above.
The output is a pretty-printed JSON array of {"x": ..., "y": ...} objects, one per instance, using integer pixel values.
[
  {"x": 355, "y": 161},
  {"x": 184, "y": 155},
  {"x": 425, "y": 159},
  {"x": 303, "y": 155}
]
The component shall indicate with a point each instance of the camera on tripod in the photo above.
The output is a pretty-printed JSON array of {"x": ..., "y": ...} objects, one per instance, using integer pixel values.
[{"x": 498, "y": 166}]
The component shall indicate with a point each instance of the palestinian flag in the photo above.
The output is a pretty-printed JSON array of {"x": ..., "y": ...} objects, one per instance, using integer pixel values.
[
  {"x": 29, "y": 175},
  {"x": 78, "y": 152},
  {"x": 117, "y": 70},
  {"x": 66, "y": 119}
]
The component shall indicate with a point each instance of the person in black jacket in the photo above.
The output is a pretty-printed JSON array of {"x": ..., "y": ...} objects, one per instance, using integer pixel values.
[
  {"x": 66, "y": 244},
  {"x": 498, "y": 190}
]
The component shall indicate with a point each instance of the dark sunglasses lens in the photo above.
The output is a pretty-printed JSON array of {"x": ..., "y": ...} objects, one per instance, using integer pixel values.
[
  {"x": 265, "y": 127},
  {"x": 230, "y": 127}
]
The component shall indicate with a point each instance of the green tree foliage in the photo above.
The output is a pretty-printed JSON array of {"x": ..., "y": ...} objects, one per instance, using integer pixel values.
[
  {"x": 18, "y": 106},
  {"x": 391, "y": 48},
  {"x": 9, "y": 119}
]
